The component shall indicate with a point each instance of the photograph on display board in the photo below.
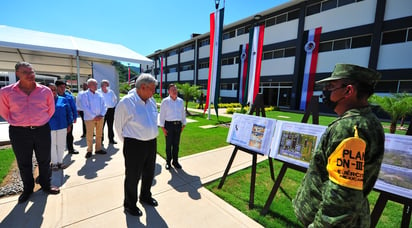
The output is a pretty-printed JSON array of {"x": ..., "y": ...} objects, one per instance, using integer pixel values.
[
  {"x": 395, "y": 175},
  {"x": 294, "y": 142},
  {"x": 251, "y": 132}
]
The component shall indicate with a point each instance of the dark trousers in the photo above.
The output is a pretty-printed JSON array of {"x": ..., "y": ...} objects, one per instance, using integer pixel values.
[
  {"x": 81, "y": 113},
  {"x": 140, "y": 161},
  {"x": 174, "y": 129},
  {"x": 109, "y": 118},
  {"x": 70, "y": 139},
  {"x": 24, "y": 141}
]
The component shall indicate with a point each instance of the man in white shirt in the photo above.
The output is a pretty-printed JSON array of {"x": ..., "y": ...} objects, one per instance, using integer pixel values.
[
  {"x": 94, "y": 110},
  {"x": 135, "y": 123},
  {"x": 172, "y": 121},
  {"x": 110, "y": 99},
  {"x": 79, "y": 107}
]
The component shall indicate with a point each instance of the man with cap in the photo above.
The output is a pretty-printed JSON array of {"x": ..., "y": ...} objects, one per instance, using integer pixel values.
[
  {"x": 61, "y": 91},
  {"x": 346, "y": 163}
]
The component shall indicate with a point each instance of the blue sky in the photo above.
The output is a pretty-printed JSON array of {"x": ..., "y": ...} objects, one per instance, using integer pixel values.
[{"x": 143, "y": 26}]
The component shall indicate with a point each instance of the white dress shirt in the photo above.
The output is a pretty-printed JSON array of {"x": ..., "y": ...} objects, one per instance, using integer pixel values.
[
  {"x": 134, "y": 118},
  {"x": 78, "y": 98},
  {"x": 172, "y": 110},
  {"x": 93, "y": 105},
  {"x": 110, "y": 98}
]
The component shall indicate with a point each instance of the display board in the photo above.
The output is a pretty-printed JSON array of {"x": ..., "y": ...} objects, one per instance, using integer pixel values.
[
  {"x": 294, "y": 142},
  {"x": 251, "y": 132},
  {"x": 395, "y": 175}
]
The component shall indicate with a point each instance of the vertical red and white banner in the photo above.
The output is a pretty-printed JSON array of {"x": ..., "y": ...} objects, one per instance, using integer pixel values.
[
  {"x": 243, "y": 52},
  {"x": 254, "y": 62},
  {"x": 213, "y": 83},
  {"x": 312, "y": 50},
  {"x": 161, "y": 77}
]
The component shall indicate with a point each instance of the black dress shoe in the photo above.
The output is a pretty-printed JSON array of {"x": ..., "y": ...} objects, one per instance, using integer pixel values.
[
  {"x": 88, "y": 154},
  {"x": 53, "y": 190},
  {"x": 73, "y": 152},
  {"x": 113, "y": 142},
  {"x": 135, "y": 212},
  {"x": 150, "y": 201},
  {"x": 177, "y": 165},
  {"x": 100, "y": 152},
  {"x": 24, "y": 197},
  {"x": 167, "y": 166}
]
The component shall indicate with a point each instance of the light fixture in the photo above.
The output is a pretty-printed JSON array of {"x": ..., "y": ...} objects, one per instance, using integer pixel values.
[
  {"x": 217, "y": 3},
  {"x": 257, "y": 17}
]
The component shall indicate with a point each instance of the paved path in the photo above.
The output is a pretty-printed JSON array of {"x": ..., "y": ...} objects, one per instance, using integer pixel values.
[{"x": 92, "y": 193}]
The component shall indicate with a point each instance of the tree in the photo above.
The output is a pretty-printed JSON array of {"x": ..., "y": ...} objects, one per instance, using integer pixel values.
[
  {"x": 396, "y": 106},
  {"x": 189, "y": 92}
]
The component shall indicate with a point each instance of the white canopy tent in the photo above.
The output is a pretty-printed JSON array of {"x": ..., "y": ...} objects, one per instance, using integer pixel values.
[{"x": 58, "y": 54}]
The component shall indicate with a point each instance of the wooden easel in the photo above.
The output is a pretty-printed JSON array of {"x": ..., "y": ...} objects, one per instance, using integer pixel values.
[
  {"x": 313, "y": 108},
  {"x": 259, "y": 108}
]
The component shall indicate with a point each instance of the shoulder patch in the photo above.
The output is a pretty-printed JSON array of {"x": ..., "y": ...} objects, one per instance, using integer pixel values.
[{"x": 346, "y": 164}]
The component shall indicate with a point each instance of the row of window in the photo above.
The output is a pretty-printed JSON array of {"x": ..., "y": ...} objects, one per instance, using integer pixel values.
[
  {"x": 397, "y": 36},
  {"x": 327, "y": 5},
  {"x": 279, "y": 53}
]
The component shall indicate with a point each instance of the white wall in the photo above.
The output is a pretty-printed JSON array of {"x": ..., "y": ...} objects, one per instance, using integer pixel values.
[
  {"x": 397, "y": 9},
  {"x": 187, "y": 75},
  {"x": 204, "y": 51},
  {"x": 232, "y": 44},
  {"x": 187, "y": 56},
  {"x": 403, "y": 53},
  {"x": 281, "y": 32},
  {"x": 172, "y": 77},
  {"x": 172, "y": 60},
  {"x": 328, "y": 60},
  {"x": 228, "y": 93},
  {"x": 278, "y": 66},
  {"x": 203, "y": 74},
  {"x": 229, "y": 71},
  {"x": 347, "y": 16}
]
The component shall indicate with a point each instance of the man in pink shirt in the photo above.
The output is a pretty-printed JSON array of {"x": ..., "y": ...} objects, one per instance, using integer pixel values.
[{"x": 28, "y": 107}]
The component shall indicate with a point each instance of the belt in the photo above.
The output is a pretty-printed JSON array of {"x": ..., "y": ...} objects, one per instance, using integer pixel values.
[
  {"x": 174, "y": 122},
  {"x": 28, "y": 127}
]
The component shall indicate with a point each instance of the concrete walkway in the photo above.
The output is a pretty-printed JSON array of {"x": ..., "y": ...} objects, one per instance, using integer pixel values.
[{"x": 92, "y": 193}]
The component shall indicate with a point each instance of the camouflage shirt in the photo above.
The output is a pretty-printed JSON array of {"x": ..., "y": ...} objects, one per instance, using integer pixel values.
[{"x": 321, "y": 202}]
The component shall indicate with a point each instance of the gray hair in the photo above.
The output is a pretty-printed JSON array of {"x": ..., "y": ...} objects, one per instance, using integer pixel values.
[
  {"x": 145, "y": 79},
  {"x": 91, "y": 80},
  {"x": 104, "y": 81},
  {"x": 22, "y": 64}
]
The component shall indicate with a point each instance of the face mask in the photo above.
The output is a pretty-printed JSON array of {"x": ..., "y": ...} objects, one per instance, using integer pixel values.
[{"x": 326, "y": 99}]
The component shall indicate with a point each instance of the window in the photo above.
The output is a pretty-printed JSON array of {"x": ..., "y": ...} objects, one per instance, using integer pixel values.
[
  {"x": 341, "y": 44},
  {"x": 173, "y": 52},
  {"x": 405, "y": 87},
  {"x": 361, "y": 41},
  {"x": 226, "y": 86},
  {"x": 290, "y": 52},
  {"x": 271, "y": 21},
  {"x": 325, "y": 46},
  {"x": 172, "y": 70},
  {"x": 203, "y": 65},
  {"x": 293, "y": 15},
  {"x": 228, "y": 35},
  {"x": 330, "y": 4},
  {"x": 204, "y": 42},
  {"x": 187, "y": 48},
  {"x": 241, "y": 31},
  {"x": 313, "y": 9},
  {"x": 409, "y": 35},
  {"x": 279, "y": 53},
  {"x": 345, "y": 2},
  {"x": 267, "y": 55},
  {"x": 281, "y": 18},
  {"x": 391, "y": 37},
  {"x": 186, "y": 67},
  {"x": 228, "y": 61}
]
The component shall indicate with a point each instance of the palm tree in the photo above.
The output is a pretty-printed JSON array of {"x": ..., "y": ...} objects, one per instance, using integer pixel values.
[
  {"x": 189, "y": 92},
  {"x": 395, "y": 106}
]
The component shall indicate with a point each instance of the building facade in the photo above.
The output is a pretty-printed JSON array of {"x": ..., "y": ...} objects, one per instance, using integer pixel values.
[{"x": 370, "y": 33}]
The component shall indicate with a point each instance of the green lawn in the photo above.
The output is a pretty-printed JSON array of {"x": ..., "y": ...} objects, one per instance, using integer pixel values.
[{"x": 236, "y": 188}]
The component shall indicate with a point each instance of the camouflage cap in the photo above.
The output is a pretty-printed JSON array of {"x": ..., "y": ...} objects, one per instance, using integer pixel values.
[{"x": 354, "y": 72}]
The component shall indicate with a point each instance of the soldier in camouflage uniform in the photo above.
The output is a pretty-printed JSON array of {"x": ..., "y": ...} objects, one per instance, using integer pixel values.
[{"x": 346, "y": 163}]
